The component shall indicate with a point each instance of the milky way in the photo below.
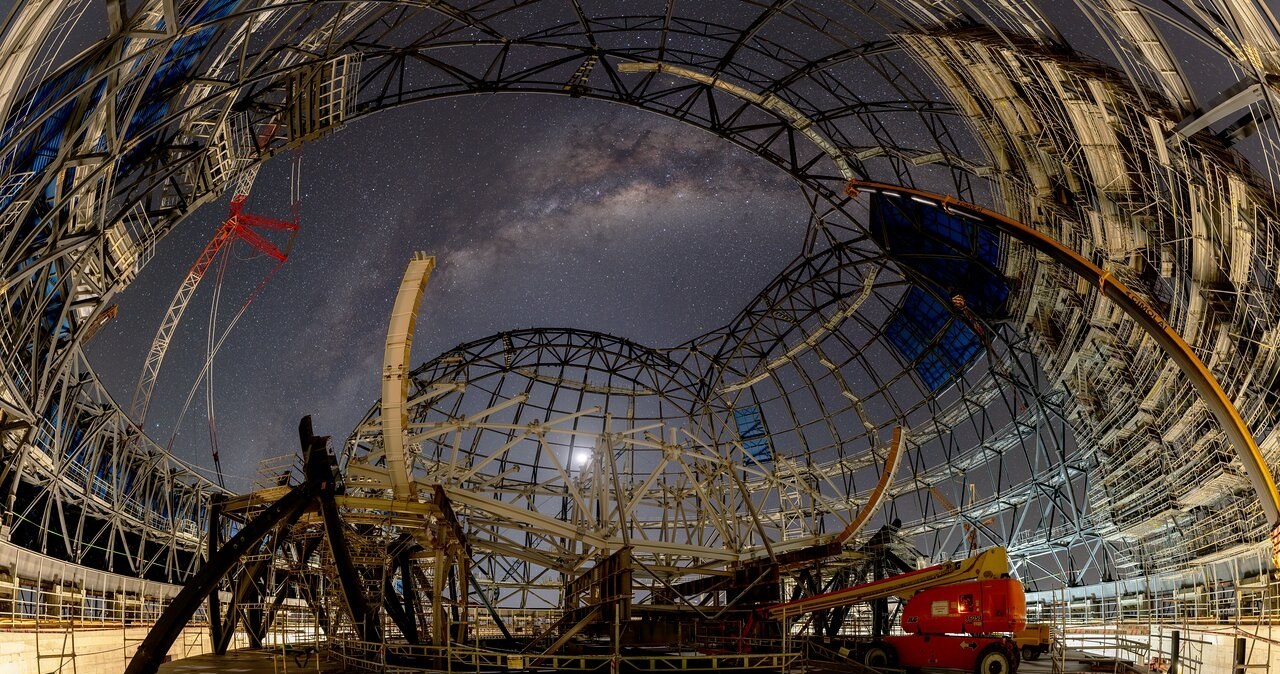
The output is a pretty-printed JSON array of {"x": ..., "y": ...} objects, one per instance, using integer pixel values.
[{"x": 541, "y": 211}]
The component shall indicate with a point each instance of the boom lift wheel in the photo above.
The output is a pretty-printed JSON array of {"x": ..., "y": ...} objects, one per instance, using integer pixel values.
[
  {"x": 994, "y": 660},
  {"x": 879, "y": 655},
  {"x": 1030, "y": 653}
]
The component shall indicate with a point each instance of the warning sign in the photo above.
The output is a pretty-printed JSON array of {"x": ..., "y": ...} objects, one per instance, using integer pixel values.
[{"x": 938, "y": 608}]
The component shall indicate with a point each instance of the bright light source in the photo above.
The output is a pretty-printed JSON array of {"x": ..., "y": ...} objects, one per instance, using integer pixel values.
[{"x": 581, "y": 457}]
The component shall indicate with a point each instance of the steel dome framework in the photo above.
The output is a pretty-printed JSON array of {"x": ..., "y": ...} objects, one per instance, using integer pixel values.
[
  {"x": 1087, "y": 452},
  {"x": 655, "y": 446}
]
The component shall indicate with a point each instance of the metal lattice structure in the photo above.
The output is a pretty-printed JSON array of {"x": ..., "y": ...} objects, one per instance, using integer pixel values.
[{"x": 1057, "y": 426}]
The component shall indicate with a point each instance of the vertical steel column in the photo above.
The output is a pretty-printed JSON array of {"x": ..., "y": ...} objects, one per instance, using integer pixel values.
[
  {"x": 311, "y": 585},
  {"x": 463, "y": 562},
  {"x": 320, "y": 473},
  {"x": 215, "y": 604},
  {"x": 410, "y": 594},
  {"x": 439, "y": 631}
]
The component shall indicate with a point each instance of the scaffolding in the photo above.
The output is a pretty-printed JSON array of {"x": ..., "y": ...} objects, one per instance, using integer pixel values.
[{"x": 1198, "y": 613}]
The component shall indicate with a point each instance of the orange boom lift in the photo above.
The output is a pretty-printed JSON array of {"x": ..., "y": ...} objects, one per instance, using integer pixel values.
[{"x": 958, "y": 615}]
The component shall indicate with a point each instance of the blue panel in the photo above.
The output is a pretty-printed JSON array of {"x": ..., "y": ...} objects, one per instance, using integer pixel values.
[
  {"x": 174, "y": 69},
  {"x": 752, "y": 432},
  {"x": 925, "y": 333},
  {"x": 954, "y": 255},
  {"x": 759, "y": 449},
  {"x": 52, "y": 319},
  {"x": 45, "y": 95},
  {"x": 41, "y": 147},
  {"x": 37, "y": 150},
  {"x": 750, "y": 425},
  {"x": 950, "y": 256}
]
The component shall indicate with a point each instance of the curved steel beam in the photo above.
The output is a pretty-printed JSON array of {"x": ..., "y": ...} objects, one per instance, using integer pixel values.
[
  {"x": 1144, "y": 315},
  {"x": 395, "y": 368},
  {"x": 877, "y": 495},
  {"x": 769, "y": 102}
]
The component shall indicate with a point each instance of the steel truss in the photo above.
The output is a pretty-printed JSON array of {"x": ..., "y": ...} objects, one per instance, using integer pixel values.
[{"x": 103, "y": 153}]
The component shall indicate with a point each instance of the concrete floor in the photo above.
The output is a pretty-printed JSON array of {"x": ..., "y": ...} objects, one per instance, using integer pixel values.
[
  {"x": 252, "y": 662},
  {"x": 1076, "y": 661}
]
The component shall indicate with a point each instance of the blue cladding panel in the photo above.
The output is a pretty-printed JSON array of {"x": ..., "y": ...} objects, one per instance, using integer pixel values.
[
  {"x": 921, "y": 320},
  {"x": 956, "y": 255},
  {"x": 752, "y": 431},
  {"x": 38, "y": 149},
  {"x": 934, "y": 370},
  {"x": 758, "y": 449},
  {"x": 950, "y": 256},
  {"x": 750, "y": 425},
  {"x": 176, "y": 66}
]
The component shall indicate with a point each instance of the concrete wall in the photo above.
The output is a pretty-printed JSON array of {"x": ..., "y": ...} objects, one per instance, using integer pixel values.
[
  {"x": 1218, "y": 656},
  {"x": 1206, "y": 649},
  {"x": 87, "y": 651}
]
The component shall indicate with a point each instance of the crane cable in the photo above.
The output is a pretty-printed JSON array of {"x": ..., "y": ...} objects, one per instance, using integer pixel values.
[
  {"x": 204, "y": 372},
  {"x": 210, "y": 415}
]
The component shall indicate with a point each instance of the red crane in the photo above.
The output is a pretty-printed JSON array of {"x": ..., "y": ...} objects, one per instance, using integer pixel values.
[{"x": 239, "y": 226}]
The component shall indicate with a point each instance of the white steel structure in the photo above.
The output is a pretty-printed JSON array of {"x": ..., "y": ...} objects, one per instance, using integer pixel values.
[{"x": 1061, "y": 430}]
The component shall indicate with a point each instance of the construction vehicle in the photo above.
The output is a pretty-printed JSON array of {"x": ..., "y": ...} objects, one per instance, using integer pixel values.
[
  {"x": 957, "y": 615},
  {"x": 1034, "y": 640}
]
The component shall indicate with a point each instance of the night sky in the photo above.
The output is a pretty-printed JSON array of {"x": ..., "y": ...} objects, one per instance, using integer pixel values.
[{"x": 542, "y": 212}]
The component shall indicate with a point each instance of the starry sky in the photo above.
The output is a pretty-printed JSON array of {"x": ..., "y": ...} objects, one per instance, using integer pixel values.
[{"x": 542, "y": 212}]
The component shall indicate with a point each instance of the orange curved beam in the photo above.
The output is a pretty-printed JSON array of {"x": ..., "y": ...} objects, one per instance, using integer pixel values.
[
  {"x": 1145, "y": 316},
  {"x": 877, "y": 495}
]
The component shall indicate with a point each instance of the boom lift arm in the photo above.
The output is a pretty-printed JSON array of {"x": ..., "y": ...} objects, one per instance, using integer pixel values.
[{"x": 991, "y": 563}]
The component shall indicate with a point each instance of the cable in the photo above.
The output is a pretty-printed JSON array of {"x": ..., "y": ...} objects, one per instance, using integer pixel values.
[
  {"x": 210, "y": 414},
  {"x": 205, "y": 371}
]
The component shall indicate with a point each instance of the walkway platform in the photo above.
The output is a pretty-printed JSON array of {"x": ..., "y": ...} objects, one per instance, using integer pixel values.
[
  {"x": 1079, "y": 661},
  {"x": 272, "y": 661}
]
